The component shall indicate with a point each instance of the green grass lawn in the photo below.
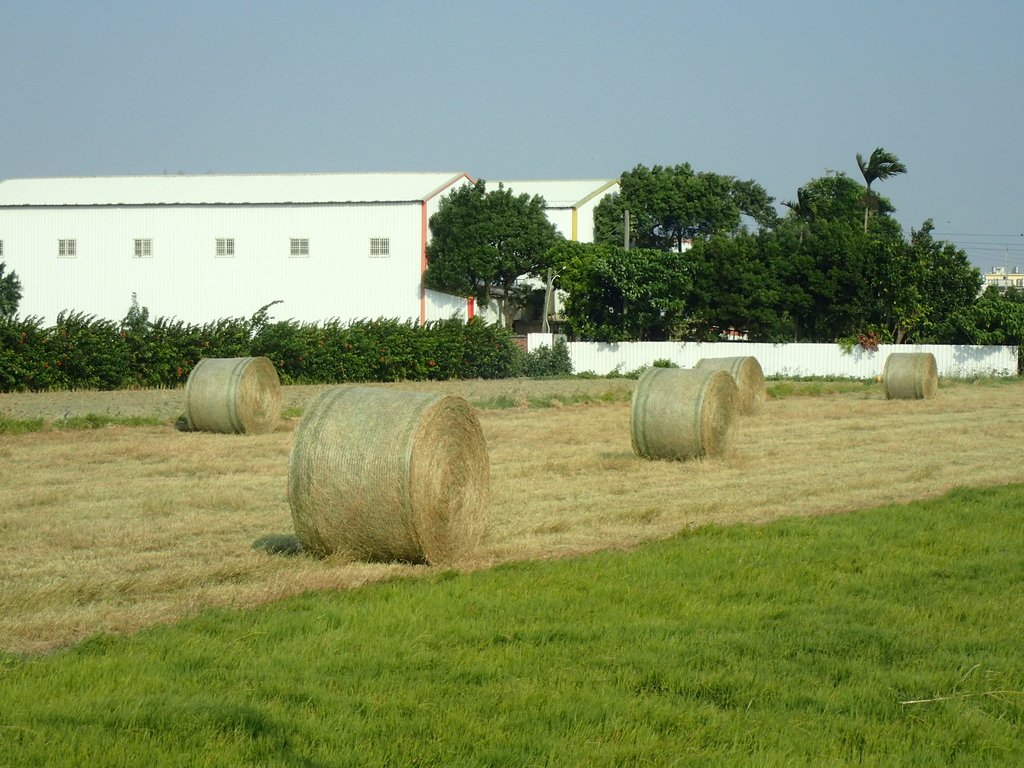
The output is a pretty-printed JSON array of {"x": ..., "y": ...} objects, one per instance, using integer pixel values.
[{"x": 888, "y": 637}]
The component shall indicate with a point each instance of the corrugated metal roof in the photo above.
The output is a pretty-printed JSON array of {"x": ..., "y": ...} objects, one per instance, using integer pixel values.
[
  {"x": 567, "y": 193},
  {"x": 209, "y": 189}
]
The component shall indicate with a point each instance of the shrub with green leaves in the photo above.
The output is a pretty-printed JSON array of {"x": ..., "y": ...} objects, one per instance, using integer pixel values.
[
  {"x": 490, "y": 352},
  {"x": 548, "y": 361},
  {"x": 23, "y": 355},
  {"x": 83, "y": 352},
  {"x": 87, "y": 353}
]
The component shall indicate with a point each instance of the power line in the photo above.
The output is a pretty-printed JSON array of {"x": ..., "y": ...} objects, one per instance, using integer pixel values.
[
  {"x": 1000, "y": 246},
  {"x": 974, "y": 234}
]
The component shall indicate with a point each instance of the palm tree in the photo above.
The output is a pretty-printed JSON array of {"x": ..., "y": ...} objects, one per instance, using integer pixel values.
[
  {"x": 802, "y": 210},
  {"x": 880, "y": 166}
]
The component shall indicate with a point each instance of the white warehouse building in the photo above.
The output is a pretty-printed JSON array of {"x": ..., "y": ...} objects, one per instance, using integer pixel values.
[{"x": 203, "y": 247}]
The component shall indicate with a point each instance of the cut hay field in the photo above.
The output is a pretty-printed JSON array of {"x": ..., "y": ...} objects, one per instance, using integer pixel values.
[{"x": 116, "y": 529}]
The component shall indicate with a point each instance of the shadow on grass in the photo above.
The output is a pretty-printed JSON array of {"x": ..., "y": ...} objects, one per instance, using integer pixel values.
[{"x": 278, "y": 544}]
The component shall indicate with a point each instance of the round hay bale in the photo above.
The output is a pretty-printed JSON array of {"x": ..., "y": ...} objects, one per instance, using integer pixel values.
[
  {"x": 683, "y": 414},
  {"x": 385, "y": 475},
  {"x": 746, "y": 372},
  {"x": 233, "y": 395},
  {"x": 910, "y": 376}
]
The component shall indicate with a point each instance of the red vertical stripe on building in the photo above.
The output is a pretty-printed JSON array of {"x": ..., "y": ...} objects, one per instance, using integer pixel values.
[{"x": 423, "y": 264}]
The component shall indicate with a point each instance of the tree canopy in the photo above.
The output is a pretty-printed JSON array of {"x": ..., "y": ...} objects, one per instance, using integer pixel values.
[
  {"x": 616, "y": 294},
  {"x": 670, "y": 205},
  {"x": 484, "y": 241},
  {"x": 735, "y": 287},
  {"x": 816, "y": 274},
  {"x": 829, "y": 270}
]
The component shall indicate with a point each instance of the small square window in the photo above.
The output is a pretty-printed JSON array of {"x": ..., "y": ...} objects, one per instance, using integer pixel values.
[
  {"x": 299, "y": 246},
  {"x": 225, "y": 246},
  {"x": 67, "y": 249},
  {"x": 143, "y": 248},
  {"x": 380, "y": 246}
]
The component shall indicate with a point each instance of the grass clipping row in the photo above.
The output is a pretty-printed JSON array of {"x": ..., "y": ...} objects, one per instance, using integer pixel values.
[
  {"x": 910, "y": 376},
  {"x": 748, "y": 375},
  {"x": 233, "y": 395},
  {"x": 681, "y": 414},
  {"x": 385, "y": 475}
]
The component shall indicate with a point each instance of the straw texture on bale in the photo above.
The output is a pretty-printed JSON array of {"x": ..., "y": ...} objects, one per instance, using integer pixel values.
[
  {"x": 749, "y": 378},
  {"x": 910, "y": 376},
  {"x": 683, "y": 414},
  {"x": 233, "y": 395},
  {"x": 383, "y": 475}
]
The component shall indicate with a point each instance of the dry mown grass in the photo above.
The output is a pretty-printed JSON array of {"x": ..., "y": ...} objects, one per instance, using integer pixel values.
[{"x": 116, "y": 529}]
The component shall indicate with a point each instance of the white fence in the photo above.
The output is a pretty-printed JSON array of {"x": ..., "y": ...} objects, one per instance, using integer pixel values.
[{"x": 783, "y": 359}]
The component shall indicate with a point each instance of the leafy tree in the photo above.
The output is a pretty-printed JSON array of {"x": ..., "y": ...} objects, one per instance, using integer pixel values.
[
  {"x": 834, "y": 196},
  {"x": 791, "y": 267},
  {"x": 950, "y": 284},
  {"x": 753, "y": 201},
  {"x": 609, "y": 220},
  {"x": 995, "y": 318},
  {"x": 926, "y": 284},
  {"x": 801, "y": 211},
  {"x": 842, "y": 281},
  {"x": 484, "y": 241},
  {"x": 879, "y": 167},
  {"x": 734, "y": 286},
  {"x": 828, "y": 270},
  {"x": 669, "y": 205},
  {"x": 10, "y": 292},
  {"x": 615, "y": 294}
]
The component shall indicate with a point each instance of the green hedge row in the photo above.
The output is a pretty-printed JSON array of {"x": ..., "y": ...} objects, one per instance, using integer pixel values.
[{"x": 83, "y": 352}]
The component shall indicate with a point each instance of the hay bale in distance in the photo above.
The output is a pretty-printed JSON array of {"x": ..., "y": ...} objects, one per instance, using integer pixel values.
[
  {"x": 746, "y": 372},
  {"x": 233, "y": 395},
  {"x": 385, "y": 475},
  {"x": 683, "y": 414},
  {"x": 910, "y": 376}
]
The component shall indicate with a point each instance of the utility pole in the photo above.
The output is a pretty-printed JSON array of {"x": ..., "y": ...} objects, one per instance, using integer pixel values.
[
  {"x": 625, "y": 229},
  {"x": 548, "y": 289}
]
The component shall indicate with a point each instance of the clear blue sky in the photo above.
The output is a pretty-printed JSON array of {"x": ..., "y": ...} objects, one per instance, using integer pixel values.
[{"x": 776, "y": 92}]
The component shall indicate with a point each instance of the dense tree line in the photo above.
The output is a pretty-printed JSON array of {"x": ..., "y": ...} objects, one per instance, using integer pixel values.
[
  {"x": 683, "y": 254},
  {"x": 836, "y": 267}
]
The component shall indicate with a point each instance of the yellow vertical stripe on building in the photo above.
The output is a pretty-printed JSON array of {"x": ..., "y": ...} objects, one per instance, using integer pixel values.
[{"x": 575, "y": 211}]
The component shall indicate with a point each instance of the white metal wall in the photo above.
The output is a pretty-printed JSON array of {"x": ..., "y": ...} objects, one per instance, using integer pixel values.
[
  {"x": 585, "y": 217},
  {"x": 562, "y": 219},
  {"x": 185, "y": 279},
  {"x": 443, "y": 306},
  {"x": 784, "y": 359}
]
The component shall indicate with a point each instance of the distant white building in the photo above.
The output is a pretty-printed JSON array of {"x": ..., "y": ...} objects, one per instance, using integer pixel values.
[
  {"x": 1001, "y": 279},
  {"x": 204, "y": 247}
]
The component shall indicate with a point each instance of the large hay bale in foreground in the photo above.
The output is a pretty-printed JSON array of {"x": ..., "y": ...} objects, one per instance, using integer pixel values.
[
  {"x": 910, "y": 376},
  {"x": 683, "y": 414},
  {"x": 379, "y": 474},
  {"x": 233, "y": 395},
  {"x": 746, "y": 372}
]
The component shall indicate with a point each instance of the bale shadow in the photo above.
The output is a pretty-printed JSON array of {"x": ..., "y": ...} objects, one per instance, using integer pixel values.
[{"x": 285, "y": 544}]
